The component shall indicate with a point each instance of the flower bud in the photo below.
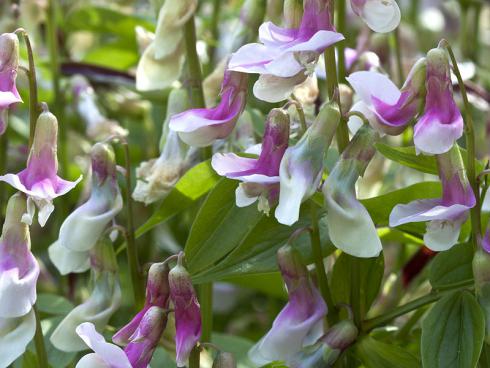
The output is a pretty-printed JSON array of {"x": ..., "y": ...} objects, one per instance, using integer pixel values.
[
  {"x": 9, "y": 64},
  {"x": 187, "y": 312},
  {"x": 350, "y": 227},
  {"x": 19, "y": 269},
  {"x": 346, "y": 97},
  {"x": 224, "y": 360},
  {"x": 302, "y": 165}
]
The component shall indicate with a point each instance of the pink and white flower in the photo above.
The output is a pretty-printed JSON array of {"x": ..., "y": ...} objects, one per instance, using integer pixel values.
[
  {"x": 444, "y": 216},
  {"x": 441, "y": 123},
  {"x": 259, "y": 177},
  {"x": 39, "y": 181},
  {"x": 9, "y": 63},
  {"x": 201, "y": 127},
  {"x": 286, "y": 56},
  {"x": 300, "y": 321},
  {"x": 380, "y": 15}
]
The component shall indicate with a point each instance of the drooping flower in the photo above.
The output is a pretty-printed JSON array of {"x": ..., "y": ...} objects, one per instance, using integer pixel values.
[
  {"x": 302, "y": 164},
  {"x": 187, "y": 312},
  {"x": 98, "y": 126},
  {"x": 287, "y": 55},
  {"x": 350, "y": 227},
  {"x": 156, "y": 177},
  {"x": 259, "y": 177},
  {"x": 161, "y": 62},
  {"x": 157, "y": 294},
  {"x": 444, "y": 216},
  {"x": 380, "y": 15},
  {"x": 201, "y": 127},
  {"x": 19, "y": 271},
  {"x": 389, "y": 109},
  {"x": 104, "y": 300},
  {"x": 441, "y": 124},
  {"x": 84, "y": 226},
  {"x": 9, "y": 63},
  {"x": 300, "y": 321},
  {"x": 39, "y": 181}
]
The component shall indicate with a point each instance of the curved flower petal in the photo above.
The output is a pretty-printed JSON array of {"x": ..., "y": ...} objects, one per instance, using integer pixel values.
[
  {"x": 369, "y": 84},
  {"x": 242, "y": 199},
  {"x": 272, "y": 89},
  {"x": 424, "y": 210},
  {"x": 272, "y": 35},
  {"x": 92, "y": 360},
  {"x": 68, "y": 261},
  {"x": 431, "y": 136},
  {"x": 15, "y": 335},
  {"x": 319, "y": 42},
  {"x": 380, "y": 15},
  {"x": 113, "y": 355},
  {"x": 443, "y": 234},
  {"x": 226, "y": 163},
  {"x": 251, "y": 58}
]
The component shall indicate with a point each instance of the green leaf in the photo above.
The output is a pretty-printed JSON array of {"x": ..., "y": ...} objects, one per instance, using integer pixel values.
[
  {"x": 371, "y": 272},
  {"x": 453, "y": 332},
  {"x": 268, "y": 283},
  {"x": 377, "y": 354},
  {"x": 189, "y": 189},
  {"x": 226, "y": 240},
  {"x": 452, "y": 267},
  {"x": 406, "y": 156},
  {"x": 236, "y": 345},
  {"x": 53, "y": 304}
]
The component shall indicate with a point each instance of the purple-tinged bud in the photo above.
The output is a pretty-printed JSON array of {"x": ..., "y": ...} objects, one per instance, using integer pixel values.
[
  {"x": 350, "y": 227},
  {"x": 9, "y": 64},
  {"x": 224, "y": 360},
  {"x": 187, "y": 312},
  {"x": 157, "y": 295},
  {"x": 84, "y": 226},
  {"x": 300, "y": 321},
  {"x": 328, "y": 348},
  {"x": 145, "y": 339},
  {"x": 445, "y": 215},
  {"x": 441, "y": 123},
  {"x": 39, "y": 181},
  {"x": 481, "y": 273},
  {"x": 346, "y": 97},
  {"x": 302, "y": 165}
]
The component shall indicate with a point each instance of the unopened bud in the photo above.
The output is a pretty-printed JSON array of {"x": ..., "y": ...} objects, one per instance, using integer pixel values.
[
  {"x": 46, "y": 133},
  {"x": 290, "y": 264},
  {"x": 103, "y": 162},
  {"x": 224, "y": 360},
  {"x": 157, "y": 288},
  {"x": 346, "y": 97},
  {"x": 9, "y": 53}
]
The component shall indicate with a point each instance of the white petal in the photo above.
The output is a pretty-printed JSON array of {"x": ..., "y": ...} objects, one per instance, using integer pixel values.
[
  {"x": 368, "y": 84},
  {"x": 92, "y": 360},
  {"x": 15, "y": 335},
  {"x": 381, "y": 15},
  {"x": 31, "y": 210},
  {"x": 442, "y": 235},
  {"x": 46, "y": 208},
  {"x": 68, "y": 261},
  {"x": 270, "y": 88},
  {"x": 242, "y": 199}
]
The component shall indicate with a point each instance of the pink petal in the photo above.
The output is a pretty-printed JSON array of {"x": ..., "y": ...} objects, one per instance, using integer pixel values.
[
  {"x": 225, "y": 163},
  {"x": 251, "y": 58},
  {"x": 272, "y": 35},
  {"x": 319, "y": 42}
]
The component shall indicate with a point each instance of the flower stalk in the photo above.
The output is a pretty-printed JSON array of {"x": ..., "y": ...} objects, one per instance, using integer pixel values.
[{"x": 42, "y": 356}]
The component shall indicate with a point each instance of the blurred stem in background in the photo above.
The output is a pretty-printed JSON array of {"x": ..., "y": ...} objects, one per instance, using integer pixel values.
[
  {"x": 197, "y": 100},
  {"x": 475, "y": 212},
  {"x": 396, "y": 53},
  {"x": 42, "y": 356},
  {"x": 214, "y": 35}
]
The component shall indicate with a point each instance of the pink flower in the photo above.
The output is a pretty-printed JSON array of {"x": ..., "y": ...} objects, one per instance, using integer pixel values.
[
  {"x": 444, "y": 215},
  {"x": 9, "y": 63},
  {"x": 300, "y": 321},
  {"x": 39, "y": 181},
  {"x": 259, "y": 177},
  {"x": 441, "y": 124},
  {"x": 389, "y": 109},
  {"x": 287, "y": 55},
  {"x": 380, "y": 15},
  {"x": 187, "y": 312},
  {"x": 201, "y": 127}
]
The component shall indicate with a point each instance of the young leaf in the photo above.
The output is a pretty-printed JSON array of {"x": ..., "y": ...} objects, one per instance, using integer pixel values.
[
  {"x": 406, "y": 156},
  {"x": 452, "y": 267},
  {"x": 377, "y": 354},
  {"x": 453, "y": 332}
]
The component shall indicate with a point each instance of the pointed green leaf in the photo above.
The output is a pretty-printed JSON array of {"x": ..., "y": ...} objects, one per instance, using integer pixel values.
[
  {"x": 452, "y": 267},
  {"x": 377, "y": 354}
]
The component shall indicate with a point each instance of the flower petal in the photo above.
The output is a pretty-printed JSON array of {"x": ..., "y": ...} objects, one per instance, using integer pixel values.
[
  {"x": 270, "y": 88},
  {"x": 372, "y": 84},
  {"x": 319, "y": 42},
  {"x": 68, "y": 261},
  {"x": 442, "y": 235},
  {"x": 431, "y": 136},
  {"x": 252, "y": 58},
  {"x": 242, "y": 199},
  {"x": 381, "y": 15},
  {"x": 92, "y": 360},
  {"x": 15, "y": 335}
]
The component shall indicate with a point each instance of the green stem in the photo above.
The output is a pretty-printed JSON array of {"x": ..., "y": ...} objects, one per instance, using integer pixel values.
[
  {"x": 395, "y": 43},
  {"x": 470, "y": 148},
  {"x": 42, "y": 356},
  {"x": 301, "y": 114},
  {"x": 33, "y": 99},
  {"x": 464, "y": 43},
  {"x": 131, "y": 250},
  {"x": 340, "y": 9},
  {"x": 355, "y": 291},
  {"x": 193, "y": 64},
  {"x": 404, "y": 332},
  {"x": 194, "y": 358},
  {"x": 432, "y": 297},
  {"x": 316, "y": 248},
  {"x": 206, "y": 301},
  {"x": 214, "y": 32}
]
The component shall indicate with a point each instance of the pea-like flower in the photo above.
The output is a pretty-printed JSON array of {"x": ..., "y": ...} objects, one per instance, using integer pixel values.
[
  {"x": 444, "y": 216},
  {"x": 300, "y": 322},
  {"x": 286, "y": 56},
  {"x": 201, "y": 127},
  {"x": 350, "y": 226},
  {"x": 84, "y": 226},
  {"x": 302, "y": 164},
  {"x": 39, "y": 181},
  {"x": 187, "y": 312},
  {"x": 9, "y": 63},
  {"x": 259, "y": 177},
  {"x": 380, "y": 15}
]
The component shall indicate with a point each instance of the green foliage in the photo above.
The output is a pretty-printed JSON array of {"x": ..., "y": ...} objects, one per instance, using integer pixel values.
[
  {"x": 453, "y": 332},
  {"x": 377, "y": 354},
  {"x": 452, "y": 268}
]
